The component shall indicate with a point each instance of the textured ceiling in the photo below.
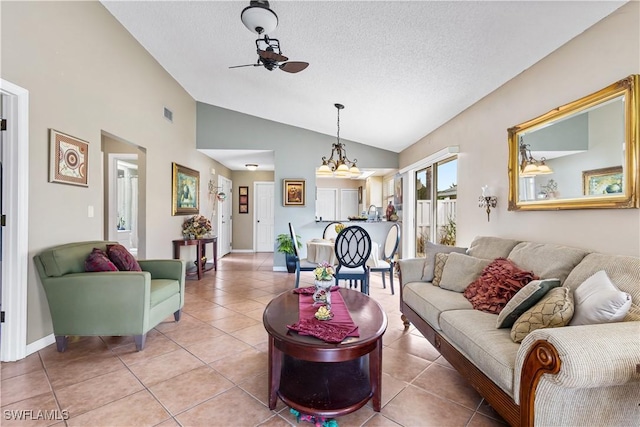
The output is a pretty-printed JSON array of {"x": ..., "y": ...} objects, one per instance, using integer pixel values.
[{"x": 400, "y": 68}]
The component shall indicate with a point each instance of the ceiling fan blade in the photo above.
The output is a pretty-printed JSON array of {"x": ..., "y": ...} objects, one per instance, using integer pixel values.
[
  {"x": 271, "y": 56},
  {"x": 248, "y": 65},
  {"x": 294, "y": 66}
]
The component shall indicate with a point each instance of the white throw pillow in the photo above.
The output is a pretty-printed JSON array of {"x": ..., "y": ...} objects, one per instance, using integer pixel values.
[{"x": 597, "y": 300}]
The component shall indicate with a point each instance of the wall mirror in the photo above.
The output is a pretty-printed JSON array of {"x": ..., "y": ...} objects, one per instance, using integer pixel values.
[{"x": 578, "y": 156}]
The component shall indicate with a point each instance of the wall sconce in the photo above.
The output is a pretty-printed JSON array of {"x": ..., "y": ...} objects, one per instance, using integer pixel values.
[{"x": 487, "y": 201}]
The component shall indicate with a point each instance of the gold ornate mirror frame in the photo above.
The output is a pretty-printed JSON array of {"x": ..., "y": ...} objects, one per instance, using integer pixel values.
[{"x": 600, "y": 184}]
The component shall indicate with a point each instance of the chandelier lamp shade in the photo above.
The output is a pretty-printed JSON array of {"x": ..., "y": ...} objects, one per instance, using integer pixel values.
[
  {"x": 258, "y": 18},
  {"x": 530, "y": 166},
  {"x": 338, "y": 164}
]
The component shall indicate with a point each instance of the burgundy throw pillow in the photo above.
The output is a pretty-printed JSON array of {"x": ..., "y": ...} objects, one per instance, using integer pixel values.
[
  {"x": 122, "y": 258},
  {"x": 98, "y": 261},
  {"x": 497, "y": 284}
]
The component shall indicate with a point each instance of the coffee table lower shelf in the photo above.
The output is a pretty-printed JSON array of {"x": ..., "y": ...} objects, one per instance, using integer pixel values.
[{"x": 327, "y": 389}]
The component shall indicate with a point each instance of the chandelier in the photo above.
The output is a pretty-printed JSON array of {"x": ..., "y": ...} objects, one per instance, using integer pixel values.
[
  {"x": 530, "y": 166},
  {"x": 340, "y": 166}
]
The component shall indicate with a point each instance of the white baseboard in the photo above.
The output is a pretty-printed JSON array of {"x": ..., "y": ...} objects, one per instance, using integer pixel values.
[
  {"x": 40, "y": 344},
  {"x": 279, "y": 268},
  {"x": 242, "y": 251}
]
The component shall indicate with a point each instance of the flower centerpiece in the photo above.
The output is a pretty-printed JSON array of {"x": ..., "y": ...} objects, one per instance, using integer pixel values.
[
  {"x": 196, "y": 227},
  {"x": 323, "y": 282}
]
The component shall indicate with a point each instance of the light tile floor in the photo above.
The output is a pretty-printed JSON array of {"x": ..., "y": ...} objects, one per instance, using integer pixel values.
[{"x": 210, "y": 369}]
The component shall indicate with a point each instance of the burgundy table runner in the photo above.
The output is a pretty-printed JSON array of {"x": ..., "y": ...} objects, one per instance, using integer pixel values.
[{"x": 334, "y": 330}]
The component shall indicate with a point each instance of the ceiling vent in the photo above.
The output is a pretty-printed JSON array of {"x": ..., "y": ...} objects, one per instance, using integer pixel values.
[{"x": 168, "y": 114}]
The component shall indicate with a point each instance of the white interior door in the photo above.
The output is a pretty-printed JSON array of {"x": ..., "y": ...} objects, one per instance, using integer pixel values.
[
  {"x": 224, "y": 217},
  {"x": 326, "y": 204},
  {"x": 264, "y": 218},
  {"x": 348, "y": 202}
]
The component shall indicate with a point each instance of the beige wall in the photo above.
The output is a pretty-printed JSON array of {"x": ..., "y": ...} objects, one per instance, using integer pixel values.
[
  {"x": 87, "y": 76},
  {"x": 605, "y": 53},
  {"x": 243, "y": 223}
]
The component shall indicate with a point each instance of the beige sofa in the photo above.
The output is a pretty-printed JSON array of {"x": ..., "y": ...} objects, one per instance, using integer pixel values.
[{"x": 571, "y": 375}]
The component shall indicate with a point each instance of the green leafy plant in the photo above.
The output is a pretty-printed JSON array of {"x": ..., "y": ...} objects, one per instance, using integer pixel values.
[
  {"x": 285, "y": 244},
  {"x": 448, "y": 233}
]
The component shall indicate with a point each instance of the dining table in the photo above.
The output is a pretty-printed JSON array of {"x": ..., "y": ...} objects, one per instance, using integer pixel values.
[{"x": 323, "y": 250}]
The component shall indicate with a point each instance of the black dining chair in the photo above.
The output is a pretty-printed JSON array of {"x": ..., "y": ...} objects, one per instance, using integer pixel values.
[
  {"x": 301, "y": 264},
  {"x": 387, "y": 262},
  {"x": 353, "y": 247}
]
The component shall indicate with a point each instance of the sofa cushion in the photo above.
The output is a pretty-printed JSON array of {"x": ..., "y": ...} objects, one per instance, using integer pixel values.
[
  {"x": 623, "y": 270},
  {"x": 163, "y": 289},
  {"x": 122, "y": 258},
  {"x": 499, "y": 282},
  {"x": 460, "y": 270},
  {"x": 526, "y": 298},
  {"x": 488, "y": 247},
  {"x": 440, "y": 261},
  {"x": 430, "y": 256},
  {"x": 554, "y": 310},
  {"x": 429, "y": 301},
  {"x": 475, "y": 335},
  {"x": 597, "y": 300},
  {"x": 547, "y": 260},
  {"x": 98, "y": 261}
]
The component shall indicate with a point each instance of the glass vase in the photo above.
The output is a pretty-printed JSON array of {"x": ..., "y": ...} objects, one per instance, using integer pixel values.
[{"x": 322, "y": 295}]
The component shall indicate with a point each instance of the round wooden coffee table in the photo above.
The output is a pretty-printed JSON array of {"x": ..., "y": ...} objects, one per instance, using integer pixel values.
[{"x": 319, "y": 378}]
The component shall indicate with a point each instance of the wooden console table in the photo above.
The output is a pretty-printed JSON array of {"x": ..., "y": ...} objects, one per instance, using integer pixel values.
[{"x": 200, "y": 244}]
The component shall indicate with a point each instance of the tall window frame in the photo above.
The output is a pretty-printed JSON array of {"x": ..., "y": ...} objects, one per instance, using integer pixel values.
[{"x": 410, "y": 245}]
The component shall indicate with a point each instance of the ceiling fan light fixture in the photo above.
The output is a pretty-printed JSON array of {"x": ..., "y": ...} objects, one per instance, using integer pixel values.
[
  {"x": 258, "y": 18},
  {"x": 251, "y": 166}
]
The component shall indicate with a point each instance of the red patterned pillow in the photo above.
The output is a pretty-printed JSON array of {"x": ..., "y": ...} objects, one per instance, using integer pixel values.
[
  {"x": 98, "y": 261},
  {"x": 122, "y": 258},
  {"x": 497, "y": 284}
]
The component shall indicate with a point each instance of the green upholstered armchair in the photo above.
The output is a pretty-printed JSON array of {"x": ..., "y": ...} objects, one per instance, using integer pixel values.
[{"x": 108, "y": 303}]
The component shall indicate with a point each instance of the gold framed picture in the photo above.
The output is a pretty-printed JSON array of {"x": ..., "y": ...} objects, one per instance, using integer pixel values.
[
  {"x": 185, "y": 194},
  {"x": 602, "y": 181},
  {"x": 293, "y": 192},
  {"x": 68, "y": 159}
]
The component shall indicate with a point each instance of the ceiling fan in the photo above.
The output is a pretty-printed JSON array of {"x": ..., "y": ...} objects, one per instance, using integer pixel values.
[
  {"x": 259, "y": 18},
  {"x": 271, "y": 58}
]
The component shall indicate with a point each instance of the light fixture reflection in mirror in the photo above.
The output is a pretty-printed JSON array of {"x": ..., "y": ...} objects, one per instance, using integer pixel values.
[{"x": 576, "y": 155}]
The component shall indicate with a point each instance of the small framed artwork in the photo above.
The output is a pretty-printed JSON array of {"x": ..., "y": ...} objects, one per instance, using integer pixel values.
[
  {"x": 360, "y": 194},
  {"x": 185, "y": 192},
  {"x": 602, "y": 181},
  {"x": 68, "y": 159},
  {"x": 293, "y": 192},
  {"x": 243, "y": 200}
]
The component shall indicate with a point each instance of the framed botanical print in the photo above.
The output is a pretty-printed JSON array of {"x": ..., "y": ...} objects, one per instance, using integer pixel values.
[
  {"x": 243, "y": 200},
  {"x": 185, "y": 192},
  {"x": 68, "y": 159},
  {"x": 293, "y": 192}
]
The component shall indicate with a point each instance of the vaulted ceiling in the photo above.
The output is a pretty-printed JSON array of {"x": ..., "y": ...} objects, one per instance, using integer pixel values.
[{"x": 401, "y": 68}]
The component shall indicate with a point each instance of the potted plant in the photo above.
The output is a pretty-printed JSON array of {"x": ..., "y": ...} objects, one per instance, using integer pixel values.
[{"x": 285, "y": 245}]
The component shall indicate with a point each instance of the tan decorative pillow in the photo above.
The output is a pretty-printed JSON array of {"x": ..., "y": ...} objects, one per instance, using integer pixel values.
[
  {"x": 555, "y": 309},
  {"x": 460, "y": 270},
  {"x": 438, "y": 267},
  {"x": 430, "y": 255}
]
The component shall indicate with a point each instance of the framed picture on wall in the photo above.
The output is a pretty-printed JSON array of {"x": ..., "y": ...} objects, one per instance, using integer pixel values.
[
  {"x": 243, "y": 200},
  {"x": 602, "y": 181},
  {"x": 68, "y": 159},
  {"x": 293, "y": 192},
  {"x": 185, "y": 192}
]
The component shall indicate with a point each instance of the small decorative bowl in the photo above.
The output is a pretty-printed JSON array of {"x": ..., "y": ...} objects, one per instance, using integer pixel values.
[{"x": 323, "y": 313}]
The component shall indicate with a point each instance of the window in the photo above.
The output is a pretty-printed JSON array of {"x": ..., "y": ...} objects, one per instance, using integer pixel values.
[{"x": 435, "y": 222}]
